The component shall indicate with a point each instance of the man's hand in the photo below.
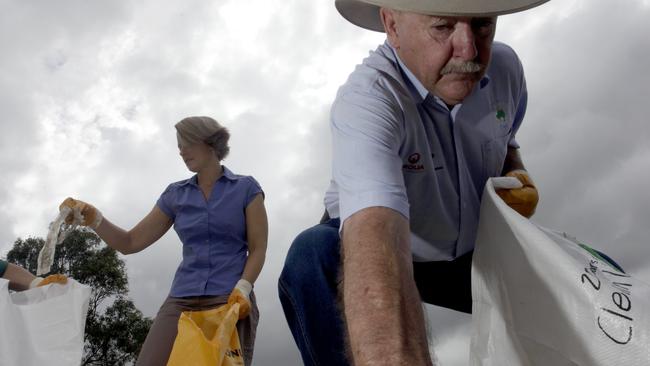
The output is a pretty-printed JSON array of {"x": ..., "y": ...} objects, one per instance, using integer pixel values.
[
  {"x": 85, "y": 212},
  {"x": 241, "y": 295},
  {"x": 55, "y": 278},
  {"x": 523, "y": 200}
]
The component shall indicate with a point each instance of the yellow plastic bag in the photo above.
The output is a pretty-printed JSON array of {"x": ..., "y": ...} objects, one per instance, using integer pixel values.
[{"x": 207, "y": 337}]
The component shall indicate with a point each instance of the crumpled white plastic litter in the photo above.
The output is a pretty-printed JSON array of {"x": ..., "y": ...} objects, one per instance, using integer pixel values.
[{"x": 57, "y": 233}]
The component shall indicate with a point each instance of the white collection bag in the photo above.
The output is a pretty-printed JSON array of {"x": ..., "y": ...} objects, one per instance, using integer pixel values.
[
  {"x": 542, "y": 298},
  {"x": 43, "y": 325}
]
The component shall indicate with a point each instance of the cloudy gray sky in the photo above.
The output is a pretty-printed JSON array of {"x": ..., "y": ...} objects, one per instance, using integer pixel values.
[{"x": 90, "y": 90}]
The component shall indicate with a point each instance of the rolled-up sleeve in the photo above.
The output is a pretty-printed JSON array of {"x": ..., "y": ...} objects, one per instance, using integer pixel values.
[{"x": 367, "y": 130}]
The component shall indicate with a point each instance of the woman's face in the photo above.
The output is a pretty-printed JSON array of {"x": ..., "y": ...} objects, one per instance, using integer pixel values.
[{"x": 197, "y": 156}]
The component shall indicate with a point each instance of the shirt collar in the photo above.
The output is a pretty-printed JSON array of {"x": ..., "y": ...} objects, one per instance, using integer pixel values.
[
  {"x": 421, "y": 91},
  {"x": 227, "y": 173}
]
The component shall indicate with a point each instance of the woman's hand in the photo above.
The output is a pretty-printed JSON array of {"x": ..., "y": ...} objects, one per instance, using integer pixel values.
[
  {"x": 55, "y": 278},
  {"x": 88, "y": 214},
  {"x": 241, "y": 295}
]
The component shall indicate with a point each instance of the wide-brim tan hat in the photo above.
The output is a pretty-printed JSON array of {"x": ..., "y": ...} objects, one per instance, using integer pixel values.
[{"x": 365, "y": 13}]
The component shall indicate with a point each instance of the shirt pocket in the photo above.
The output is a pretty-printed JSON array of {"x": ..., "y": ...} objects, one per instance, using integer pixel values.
[
  {"x": 494, "y": 153},
  {"x": 498, "y": 129}
]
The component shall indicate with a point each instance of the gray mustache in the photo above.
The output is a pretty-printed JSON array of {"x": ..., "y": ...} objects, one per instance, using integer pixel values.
[{"x": 466, "y": 67}]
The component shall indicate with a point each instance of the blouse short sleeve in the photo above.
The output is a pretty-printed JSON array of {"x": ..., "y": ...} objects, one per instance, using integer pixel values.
[
  {"x": 166, "y": 202},
  {"x": 253, "y": 189}
]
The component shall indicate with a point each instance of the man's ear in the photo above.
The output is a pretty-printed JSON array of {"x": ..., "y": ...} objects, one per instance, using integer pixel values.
[{"x": 388, "y": 19}]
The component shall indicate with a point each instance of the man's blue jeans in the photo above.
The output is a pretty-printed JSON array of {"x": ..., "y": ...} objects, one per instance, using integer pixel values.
[{"x": 308, "y": 292}]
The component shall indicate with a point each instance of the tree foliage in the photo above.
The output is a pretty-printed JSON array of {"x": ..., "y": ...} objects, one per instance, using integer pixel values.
[{"x": 115, "y": 328}]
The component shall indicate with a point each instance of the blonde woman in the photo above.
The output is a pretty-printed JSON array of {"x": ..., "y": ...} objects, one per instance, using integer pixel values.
[{"x": 221, "y": 221}]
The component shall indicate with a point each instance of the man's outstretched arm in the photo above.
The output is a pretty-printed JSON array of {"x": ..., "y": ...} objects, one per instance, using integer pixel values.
[{"x": 382, "y": 306}]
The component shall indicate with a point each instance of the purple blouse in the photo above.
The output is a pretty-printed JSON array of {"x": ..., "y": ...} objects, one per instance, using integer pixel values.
[{"x": 213, "y": 232}]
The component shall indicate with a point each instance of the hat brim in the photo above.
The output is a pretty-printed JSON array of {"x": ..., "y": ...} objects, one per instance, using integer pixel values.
[{"x": 365, "y": 13}]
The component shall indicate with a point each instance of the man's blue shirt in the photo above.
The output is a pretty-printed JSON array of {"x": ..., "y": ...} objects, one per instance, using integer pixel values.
[
  {"x": 395, "y": 145},
  {"x": 213, "y": 232}
]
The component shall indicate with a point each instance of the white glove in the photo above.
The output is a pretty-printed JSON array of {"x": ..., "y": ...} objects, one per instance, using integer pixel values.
[
  {"x": 241, "y": 295},
  {"x": 506, "y": 183}
]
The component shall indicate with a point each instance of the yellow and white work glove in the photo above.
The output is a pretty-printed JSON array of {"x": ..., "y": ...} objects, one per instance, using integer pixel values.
[
  {"x": 55, "y": 278},
  {"x": 241, "y": 295},
  {"x": 521, "y": 197},
  {"x": 82, "y": 213}
]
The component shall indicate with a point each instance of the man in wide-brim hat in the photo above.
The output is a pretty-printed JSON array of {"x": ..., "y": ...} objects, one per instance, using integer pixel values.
[{"x": 417, "y": 130}]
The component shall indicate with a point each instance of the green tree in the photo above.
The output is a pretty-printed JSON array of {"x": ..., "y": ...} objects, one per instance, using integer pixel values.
[{"x": 115, "y": 328}]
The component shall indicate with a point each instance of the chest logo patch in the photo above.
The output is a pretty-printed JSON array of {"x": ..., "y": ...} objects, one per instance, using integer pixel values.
[
  {"x": 413, "y": 162},
  {"x": 414, "y": 158}
]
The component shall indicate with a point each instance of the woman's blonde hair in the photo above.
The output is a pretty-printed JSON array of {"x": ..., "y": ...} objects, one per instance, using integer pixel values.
[{"x": 194, "y": 130}]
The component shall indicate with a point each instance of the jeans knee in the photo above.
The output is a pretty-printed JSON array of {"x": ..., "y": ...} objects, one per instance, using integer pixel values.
[{"x": 313, "y": 251}]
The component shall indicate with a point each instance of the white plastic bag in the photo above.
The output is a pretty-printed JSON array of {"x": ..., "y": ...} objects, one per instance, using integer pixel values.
[
  {"x": 542, "y": 298},
  {"x": 56, "y": 234},
  {"x": 43, "y": 325}
]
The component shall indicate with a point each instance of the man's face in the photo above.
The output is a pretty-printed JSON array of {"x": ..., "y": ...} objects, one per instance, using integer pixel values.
[{"x": 444, "y": 53}]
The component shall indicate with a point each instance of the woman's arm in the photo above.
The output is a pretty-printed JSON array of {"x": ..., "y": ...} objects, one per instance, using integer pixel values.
[
  {"x": 145, "y": 233},
  {"x": 257, "y": 231}
]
